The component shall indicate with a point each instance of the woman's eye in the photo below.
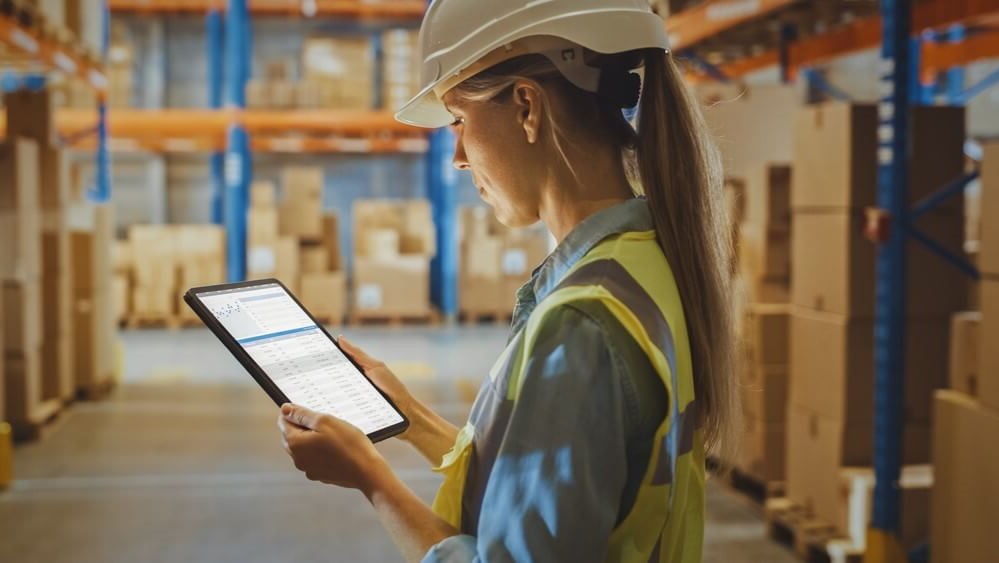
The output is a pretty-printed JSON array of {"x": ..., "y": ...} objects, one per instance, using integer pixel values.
[{"x": 458, "y": 122}]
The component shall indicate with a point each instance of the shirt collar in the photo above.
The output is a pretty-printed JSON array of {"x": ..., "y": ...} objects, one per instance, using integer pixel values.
[{"x": 629, "y": 216}]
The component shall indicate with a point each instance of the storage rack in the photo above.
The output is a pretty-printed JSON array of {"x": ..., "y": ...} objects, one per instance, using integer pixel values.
[
  {"x": 231, "y": 133},
  {"x": 46, "y": 48},
  {"x": 923, "y": 47}
]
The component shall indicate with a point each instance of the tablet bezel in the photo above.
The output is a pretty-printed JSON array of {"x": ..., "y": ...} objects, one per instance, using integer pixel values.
[{"x": 258, "y": 374}]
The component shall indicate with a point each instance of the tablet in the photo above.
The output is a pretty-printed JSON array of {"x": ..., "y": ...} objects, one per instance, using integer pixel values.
[{"x": 291, "y": 355}]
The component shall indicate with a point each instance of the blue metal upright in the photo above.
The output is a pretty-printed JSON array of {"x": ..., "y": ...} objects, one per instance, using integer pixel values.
[
  {"x": 237, "y": 155},
  {"x": 214, "y": 48},
  {"x": 101, "y": 192},
  {"x": 893, "y": 164},
  {"x": 442, "y": 181},
  {"x": 955, "y": 76}
]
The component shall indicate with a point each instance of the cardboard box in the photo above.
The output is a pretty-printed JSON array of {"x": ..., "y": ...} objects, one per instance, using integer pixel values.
[
  {"x": 54, "y": 179},
  {"x": 302, "y": 183},
  {"x": 22, "y": 386},
  {"x": 484, "y": 296},
  {"x": 766, "y": 333},
  {"x": 988, "y": 359},
  {"x": 768, "y": 197},
  {"x": 122, "y": 260},
  {"x": 762, "y": 289},
  {"x": 764, "y": 252},
  {"x": 31, "y": 115},
  {"x": 523, "y": 252},
  {"x": 762, "y": 450},
  {"x": 380, "y": 244},
  {"x": 57, "y": 367},
  {"x": 22, "y": 307},
  {"x": 965, "y": 497},
  {"x": 764, "y": 392},
  {"x": 410, "y": 218},
  {"x": 287, "y": 261},
  {"x": 93, "y": 331},
  {"x": 263, "y": 194},
  {"x": 397, "y": 288},
  {"x": 832, "y": 365},
  {"x": 964, "y": 352},
  {"x": 331, "y": 241},
  {"x": 342, "y": 69},
  {"x": 315, "y": 259},
  {"x": 301, "y": 219},
  {"x": 483, "y": 257},
  {"x": 262, "y": 226},
  {"x": 91, "y": 255},
  {"x": 988, "y": 259},
  {"x": 325, "y": 295},
  {"x": 818, "y": 448},
  {"x": 154, "y": 301},
  {"x": 835, "y": 154},
  {"x": 283, "y": 94},
  {"x": 833, "y": 266},
  {"x": 122, "y": 297},
  {"x": 20, "y": 243}
]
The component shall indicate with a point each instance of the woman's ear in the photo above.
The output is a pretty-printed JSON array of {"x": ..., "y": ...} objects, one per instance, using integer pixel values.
[{"x": 529, "y": 104}]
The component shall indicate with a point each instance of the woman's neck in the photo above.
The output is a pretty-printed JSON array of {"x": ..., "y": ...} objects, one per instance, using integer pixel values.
[{"x": 567, "y": 199}]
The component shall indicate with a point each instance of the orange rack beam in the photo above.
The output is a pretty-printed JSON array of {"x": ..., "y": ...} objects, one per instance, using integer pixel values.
[
  {"x": 941, "y": 56},
  {"x": 198, "y": 130},
  {"x": 403, "y": 9},
  {"x": 866, "y": 34},
  {"x": 715, "y": 16},
  {"x": 51, "y": 53}
]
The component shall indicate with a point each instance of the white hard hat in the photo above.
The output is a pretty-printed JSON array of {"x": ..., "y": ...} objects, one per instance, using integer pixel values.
[{"x": 460, "y": 38}]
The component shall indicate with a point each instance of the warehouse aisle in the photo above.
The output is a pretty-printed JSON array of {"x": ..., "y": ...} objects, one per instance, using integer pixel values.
[{"x": 183, "y": 464}]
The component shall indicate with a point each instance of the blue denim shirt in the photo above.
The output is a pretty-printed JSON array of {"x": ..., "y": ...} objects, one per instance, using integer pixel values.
[{"x": 578, "y": 442}]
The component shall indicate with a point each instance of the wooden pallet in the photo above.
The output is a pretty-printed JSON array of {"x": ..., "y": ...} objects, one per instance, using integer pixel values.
[
  {"x": 790, "y": 524},
  {"x": 96, "y": 391},
  {"x": 46, "y": 415},
  {"x": 754, "y": 488},
  {"x": 152, "y": 321},
  {"x": 361, "y": 319},
  {"x": 486, "y": 317}
]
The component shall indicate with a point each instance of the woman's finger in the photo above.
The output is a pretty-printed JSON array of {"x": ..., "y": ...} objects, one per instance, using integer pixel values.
[
  {"x": 296, "y": 414},
  {"x": 357, "y": 354}
]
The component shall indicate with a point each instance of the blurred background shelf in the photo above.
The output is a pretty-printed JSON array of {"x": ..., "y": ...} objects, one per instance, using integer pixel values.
[
  {"x": 403, "y": 9},
  {"x": 33, "y": 44}
]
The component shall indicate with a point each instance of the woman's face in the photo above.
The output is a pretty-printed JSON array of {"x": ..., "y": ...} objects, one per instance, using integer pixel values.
[{"x": 497, "y": 142}]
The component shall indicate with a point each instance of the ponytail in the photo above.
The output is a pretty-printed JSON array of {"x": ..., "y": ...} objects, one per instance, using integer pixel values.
[{"x": 681, "y": 175}]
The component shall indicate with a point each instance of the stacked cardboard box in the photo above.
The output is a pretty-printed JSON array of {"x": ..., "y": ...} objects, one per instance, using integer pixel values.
[
  {"x": 495, "y": 262},
  {"x": 32, "y": 113},
  {"x": 20, "y": 248},
  {"x": 156, "y": 264},
  {"x": 340, "y": 71},
  {"x": 760, "y": 203},
  {"x": 400, "y": 68},
  {"x": 91, "y": 235},
  {"x": 393, "y": 244},
  {"x": 323, "y": 281},
  {"x": 833, "y": 275},
  {"x": 121, "y": 60},
  {"x": 965, "y": 460}
]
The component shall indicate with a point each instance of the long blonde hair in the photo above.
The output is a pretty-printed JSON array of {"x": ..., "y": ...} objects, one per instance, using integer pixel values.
[{"x": 673, "y": 160}]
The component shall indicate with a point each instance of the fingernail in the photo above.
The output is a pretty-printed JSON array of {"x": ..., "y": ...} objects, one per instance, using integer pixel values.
[{"x": 286, "y": 409}]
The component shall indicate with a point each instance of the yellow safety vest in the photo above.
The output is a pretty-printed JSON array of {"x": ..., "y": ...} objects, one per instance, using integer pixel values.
[{"x": 629, "y": 275}]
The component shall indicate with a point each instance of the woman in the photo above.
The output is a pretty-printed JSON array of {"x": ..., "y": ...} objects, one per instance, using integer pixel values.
[{"x": 587, "y": 440}]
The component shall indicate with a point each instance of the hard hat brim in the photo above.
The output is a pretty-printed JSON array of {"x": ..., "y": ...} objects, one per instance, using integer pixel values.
[{"x": 425, "y": 110}]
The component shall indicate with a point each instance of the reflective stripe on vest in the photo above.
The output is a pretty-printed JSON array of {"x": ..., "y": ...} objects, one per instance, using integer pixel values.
[{"x": 627, "y": 274}]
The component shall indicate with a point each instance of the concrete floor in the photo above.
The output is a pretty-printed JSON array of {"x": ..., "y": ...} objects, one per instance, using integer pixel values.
[{"x": 183, "y": 464}]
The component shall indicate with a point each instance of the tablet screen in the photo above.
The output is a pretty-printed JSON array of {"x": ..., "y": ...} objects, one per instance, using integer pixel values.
[{"x": 298, "y": 356}]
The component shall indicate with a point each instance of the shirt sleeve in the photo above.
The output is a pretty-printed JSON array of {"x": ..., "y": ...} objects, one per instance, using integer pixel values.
[{"x": 555, "y": 490}]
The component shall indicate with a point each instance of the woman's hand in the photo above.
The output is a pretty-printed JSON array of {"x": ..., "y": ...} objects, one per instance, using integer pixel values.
[
  {"x": 428, "y": 432},
  {"x": 329, "y": 450},
  {"x": 384, "y": 379}
]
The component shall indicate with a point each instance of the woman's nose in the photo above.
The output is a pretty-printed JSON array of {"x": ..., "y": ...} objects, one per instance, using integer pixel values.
[{"x": 460, "y": 161}]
